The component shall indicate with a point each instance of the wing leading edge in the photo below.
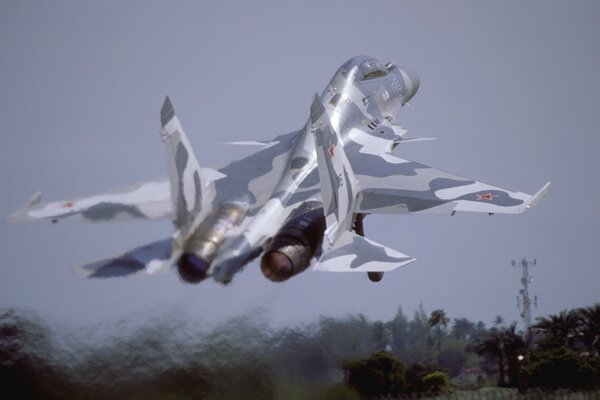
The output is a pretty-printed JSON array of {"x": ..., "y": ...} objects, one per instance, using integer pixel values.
[
  {"x": 391, "y": 185},
  {"x": 146, "y": 201}
]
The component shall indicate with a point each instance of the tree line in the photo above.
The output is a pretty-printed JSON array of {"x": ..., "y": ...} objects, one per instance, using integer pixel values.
[
  {"x": 558, "y": 352},
  {"x": 169, "y": 357}
]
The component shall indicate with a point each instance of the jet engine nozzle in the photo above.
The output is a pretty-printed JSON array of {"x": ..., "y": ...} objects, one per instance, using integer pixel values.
[
  {"x": 295, "y": 244},
  {"x": 276, "y": 266},
  {"x": 203, "y": 244},
  {"x": 192, "y": 269}
]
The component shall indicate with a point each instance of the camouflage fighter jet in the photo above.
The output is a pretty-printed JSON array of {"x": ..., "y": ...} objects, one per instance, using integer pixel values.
[{"x": 300, "y": 200}]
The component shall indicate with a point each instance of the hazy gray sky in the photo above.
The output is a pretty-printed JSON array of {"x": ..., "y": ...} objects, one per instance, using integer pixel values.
[{"x": 510, "y": 88}]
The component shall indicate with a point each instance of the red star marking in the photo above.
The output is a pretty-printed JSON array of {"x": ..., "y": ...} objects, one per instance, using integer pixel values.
[
  {"x": 487, "y": 196},
  {"x": 68, "y": 204},
  {"x": 330, "y": 150}
]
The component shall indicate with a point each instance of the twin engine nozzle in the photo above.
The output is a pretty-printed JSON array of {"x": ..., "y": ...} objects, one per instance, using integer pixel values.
[
  {"x": 203, "y": 245},
  {"x": 288, "y": 254},
  {"x": 294, "y": 245}
]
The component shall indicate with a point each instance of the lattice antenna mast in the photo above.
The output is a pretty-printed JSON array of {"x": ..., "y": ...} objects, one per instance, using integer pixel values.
[{"x": 524, "y": 301}]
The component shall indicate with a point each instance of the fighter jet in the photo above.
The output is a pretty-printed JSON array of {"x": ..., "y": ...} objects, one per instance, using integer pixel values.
[{"x": 300, "y": 200}]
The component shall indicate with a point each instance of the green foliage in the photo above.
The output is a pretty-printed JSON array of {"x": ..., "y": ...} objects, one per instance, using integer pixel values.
[
  {"x": 426, "y": 380},
  {"x": 341, "y": 339},
  {"x": 453, "y": 357},
  {"x": 504, "y": 345},
  {"x": 175, "y": 358},
  {"x": 425, "y": 340},
  {"x": 398, "y": 328},
  {"x": 565, "y": 351},
  {"x": 436, "y": 383},
  {"x": 590, "y": 327},
  {"x": 438, "y": 318},
  {"x": 560, "y": 368},
  {"x": 411, "y": 340},
  {"x": 381, "y": 336},
  {"x": 578, "y": 329},
  {"x": 463, "y": 329},
  {"x": 414, "y": 377},
  {"x": 380, "y": 375},
  {"x": 558, "y": 330}
]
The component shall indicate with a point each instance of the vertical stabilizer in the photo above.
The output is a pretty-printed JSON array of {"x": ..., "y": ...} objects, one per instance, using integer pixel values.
[
  {"x": 339, "y": 186},
  {"x": 192, "y": 188},
  {"x": 345, "y": 251}
]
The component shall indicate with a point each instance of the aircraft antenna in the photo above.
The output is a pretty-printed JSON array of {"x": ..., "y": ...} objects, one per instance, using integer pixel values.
[{"x": 524, "y": 300}]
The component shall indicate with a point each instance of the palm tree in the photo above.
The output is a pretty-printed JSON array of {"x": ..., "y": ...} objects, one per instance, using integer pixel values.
[
  {"x": 559, "y": 330},
  {"x": 494, "y": 346},
  {"x": 504, "y": 345},
  {"x": 514, "y": 346},
  {"x": 438, "y": 318},
  {"x": 462, "y": 328},
  {"x": 590, "y": 327}
]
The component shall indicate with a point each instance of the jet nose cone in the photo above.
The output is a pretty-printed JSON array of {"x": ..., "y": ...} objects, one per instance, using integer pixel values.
[{"x": 411, "y": 82}]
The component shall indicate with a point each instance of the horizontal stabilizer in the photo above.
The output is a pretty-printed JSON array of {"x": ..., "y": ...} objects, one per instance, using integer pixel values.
[
  {"x": 149, "y": 259},
  {"x": 354, "y": 253}
]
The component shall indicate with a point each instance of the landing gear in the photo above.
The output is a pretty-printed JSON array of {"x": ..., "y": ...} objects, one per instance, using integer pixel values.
[{"x": 358, "y": 225}]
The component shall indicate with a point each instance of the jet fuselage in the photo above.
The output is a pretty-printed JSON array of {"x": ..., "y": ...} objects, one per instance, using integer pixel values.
[{"x": 362, "y": 95}]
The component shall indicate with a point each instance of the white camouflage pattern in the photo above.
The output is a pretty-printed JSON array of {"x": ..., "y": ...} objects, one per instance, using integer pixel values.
[{"x": 342, "y": 157}]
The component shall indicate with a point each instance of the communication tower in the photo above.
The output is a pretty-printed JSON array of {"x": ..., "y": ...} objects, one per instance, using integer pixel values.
[{"x": 524, "y": 301}]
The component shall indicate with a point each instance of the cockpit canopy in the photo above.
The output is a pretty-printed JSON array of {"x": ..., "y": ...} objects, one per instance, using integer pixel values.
[
  {"x": 370, "y": 68},
  {"x": 364, "y": 68},
  {"x": 403, "y": 82}
]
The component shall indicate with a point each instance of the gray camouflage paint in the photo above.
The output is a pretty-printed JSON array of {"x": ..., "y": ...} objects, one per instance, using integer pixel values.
[
  {"x": 132, "y": 262},
  {"x": 359, "y": 249},
  {"x": 359, "y": 110},
  {"x": 354, "y": 253}
]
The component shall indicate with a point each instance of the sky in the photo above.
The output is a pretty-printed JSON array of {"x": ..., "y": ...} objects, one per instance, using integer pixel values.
[{"x": 510, "y": 89}]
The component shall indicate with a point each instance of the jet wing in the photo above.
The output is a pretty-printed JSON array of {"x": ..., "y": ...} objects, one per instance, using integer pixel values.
[
  {"x": 252, "y": 178},
  {"x": 146, "y": 201},
  {"x": 150, "y": 259},
  {"x": 392, "y": 185}
]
